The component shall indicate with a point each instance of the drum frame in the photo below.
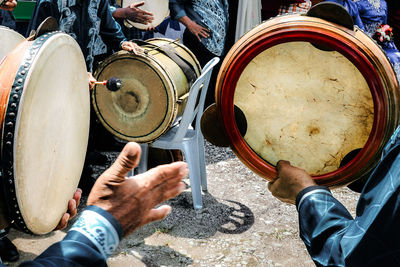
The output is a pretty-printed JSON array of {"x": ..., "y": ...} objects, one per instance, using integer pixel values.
[{"x": 355, "y": 45}]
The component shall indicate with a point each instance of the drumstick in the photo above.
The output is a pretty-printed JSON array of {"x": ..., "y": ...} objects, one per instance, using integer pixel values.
[{"x": 112, "y": 84}]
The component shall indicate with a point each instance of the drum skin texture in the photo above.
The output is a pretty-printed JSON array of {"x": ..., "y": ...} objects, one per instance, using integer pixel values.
[
  {"x": 148, "y": 102},
  {"x": 45, "y": 128},
  {"x": 312, "y": 92},
  {"x": 159, "y": 8},
  {"x": 9, "y": 39}
]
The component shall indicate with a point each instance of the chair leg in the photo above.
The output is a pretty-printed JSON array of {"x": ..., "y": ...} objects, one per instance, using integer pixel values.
[
  {"x": 192, "y": 158},
  {"x": 143, "y": 158},
  {"x": 203, "y": 171}
]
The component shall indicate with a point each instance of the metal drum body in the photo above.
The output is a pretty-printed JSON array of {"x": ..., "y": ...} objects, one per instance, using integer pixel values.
[
  {"x": 148, "y": 102},
  {"x": 45, "y": 126},
  {"x": 312, "y": 92},
  {"x": 9, "y": 39}
]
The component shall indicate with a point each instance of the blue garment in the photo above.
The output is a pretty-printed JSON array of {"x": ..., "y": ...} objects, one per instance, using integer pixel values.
[
  {"x": 368, "y": 15},
  {"x": 334, "y": 238},
  {"x": 88, "y": 243},
  {"x": 7, "y": 19},
  {"x": 89, "y": 22},
  {"x": 211, "y": 14}
]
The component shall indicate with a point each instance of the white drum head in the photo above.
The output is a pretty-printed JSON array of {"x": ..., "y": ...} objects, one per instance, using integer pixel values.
[
  {"x": 305, "y": 105},
  {"x": 159, "y": 8},
  {"x": 9, "y": 39},
  {"x": 51, "y": 133}
]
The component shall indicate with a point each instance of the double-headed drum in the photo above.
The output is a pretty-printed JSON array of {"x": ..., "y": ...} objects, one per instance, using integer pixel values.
[
  {"x": 44, "y": 114},
  {"x": 311, "y": 92},
  {"x": 153, "y": 93}
]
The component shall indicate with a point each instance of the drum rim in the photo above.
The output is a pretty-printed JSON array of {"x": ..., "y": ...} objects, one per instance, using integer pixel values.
[
  {"x": 9, "y": 129},
  {"x": 261, "y": 38},
  {"x": 168, "y": 87}
]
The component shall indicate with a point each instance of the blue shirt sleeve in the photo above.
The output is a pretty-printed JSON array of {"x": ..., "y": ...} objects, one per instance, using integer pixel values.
[
  {"x": 177, "y": 8},
  {"x": 89, "y": 242},
  {"x": 334, "y": 238},
  {"x": 110, "y": 31}
]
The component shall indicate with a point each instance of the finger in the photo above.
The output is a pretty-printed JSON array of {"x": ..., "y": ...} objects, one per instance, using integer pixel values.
[
  {"x": 162, "y": 173},
  {"x": 77, "y": 196},
  {"x": 282, "y": 164},
  {"x": 63, "y": 222},
  {"x": 159, "y": 213},
  {"x": 198, "y": 37},
  {"x": 270, "y": 184},
  {"x": 72, "y": 208},
  {"x": 126, "y": 161}
]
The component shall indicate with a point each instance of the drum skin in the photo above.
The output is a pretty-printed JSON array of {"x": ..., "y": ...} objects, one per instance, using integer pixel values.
[
  {"x": 45, "y": 128},
  {"x": 159, "y": 8},
  {"x": 9, "y": 39},
  {"x": 288, "y": 109},
  {"x": 148, "y": 102}
]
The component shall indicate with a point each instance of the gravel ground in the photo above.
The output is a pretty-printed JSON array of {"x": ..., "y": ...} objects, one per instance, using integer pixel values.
[{"x": 241, "y": 224}]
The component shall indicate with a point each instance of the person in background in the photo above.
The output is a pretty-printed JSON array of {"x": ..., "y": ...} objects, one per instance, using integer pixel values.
[
  {"x": 89, "y": 22},
  {"x": 206, "y": 30},
  {"x": 6, "y": 17},
  {"x": 272, "y": 8},
  {"x": 116, "y": 206}
]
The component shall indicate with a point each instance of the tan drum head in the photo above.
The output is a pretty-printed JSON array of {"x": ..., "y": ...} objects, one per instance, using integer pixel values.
[
  {"x": 159, "y": 8},
  {"x": 9, "y": 39},
  {"x": 51, "y": 130},
  {"x": 143, "y": 105},
  {"x": 311, "y": 92},
  {"x": 311, "y": 121},
  {"x": 148, "y": 102}
]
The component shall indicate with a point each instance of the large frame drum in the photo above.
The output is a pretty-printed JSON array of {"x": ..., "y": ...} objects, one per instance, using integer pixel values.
[
  {"x": 44, "y": 114},
  {"x": 153, "y": 93},
  {"x": 311, "y": 92}
]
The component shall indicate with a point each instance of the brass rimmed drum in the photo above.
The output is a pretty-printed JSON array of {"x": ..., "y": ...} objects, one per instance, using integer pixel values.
[
  {"x": 311, "y": 92},
  {"x": 44, "y": 113},
  {"x": 159, "y": 8},
  {"x": 153, "y": 93},
  {"x": 9, "y": 39}
]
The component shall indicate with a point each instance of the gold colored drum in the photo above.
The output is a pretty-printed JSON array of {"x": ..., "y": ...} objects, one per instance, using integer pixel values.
[{"x": 153, "y": 92}]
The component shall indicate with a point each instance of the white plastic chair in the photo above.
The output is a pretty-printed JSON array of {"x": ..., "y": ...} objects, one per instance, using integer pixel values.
[{"x": 182, "y": 136}]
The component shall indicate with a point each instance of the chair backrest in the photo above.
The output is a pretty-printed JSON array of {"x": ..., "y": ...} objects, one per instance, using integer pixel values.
[{"x": 192, "y": 110}]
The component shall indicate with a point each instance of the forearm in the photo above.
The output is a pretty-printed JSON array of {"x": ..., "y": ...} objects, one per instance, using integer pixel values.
[
  {"x": 89, "y": 242},
  {"x": 323, "y": 221},
  {"x": 177, "y": 9}
]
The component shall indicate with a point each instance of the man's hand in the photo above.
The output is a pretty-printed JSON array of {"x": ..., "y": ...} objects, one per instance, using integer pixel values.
[
  {"x": 92, "y": 81},
  {"x": 132, "y": 47},
  {"x": 9, "y": 5},
  {"x": 132, "y": 200},
  {"x": 134, "y": 13},
  {"x": 289, "y": 182},
  {"x": 72, "y": 209},
  {"x": 194, "y": 28}
]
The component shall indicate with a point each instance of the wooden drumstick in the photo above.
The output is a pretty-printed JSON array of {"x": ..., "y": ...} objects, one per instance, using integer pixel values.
[{"x": 112, "y": 84}]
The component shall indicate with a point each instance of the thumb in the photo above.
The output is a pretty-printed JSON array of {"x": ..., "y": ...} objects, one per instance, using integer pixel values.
[{"x": 126, "y": 161}]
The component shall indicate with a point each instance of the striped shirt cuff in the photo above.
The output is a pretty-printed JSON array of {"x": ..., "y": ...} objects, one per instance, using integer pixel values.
[
  {"x": 308, "y": 191},
  {"x": 101, "y": 228}
]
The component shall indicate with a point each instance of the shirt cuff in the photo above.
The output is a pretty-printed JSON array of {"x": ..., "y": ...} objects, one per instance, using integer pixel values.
[
  {"x": 308, "y": 191},
  {"x": 101, "y": 228},
  {"x": 112, "y": 9}
]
